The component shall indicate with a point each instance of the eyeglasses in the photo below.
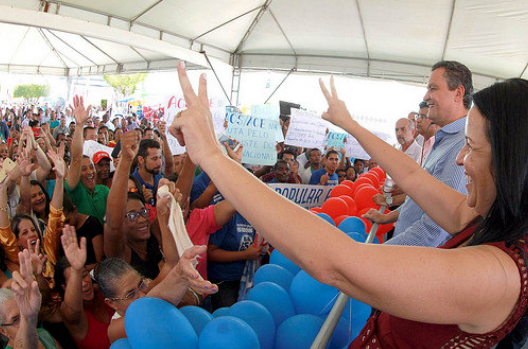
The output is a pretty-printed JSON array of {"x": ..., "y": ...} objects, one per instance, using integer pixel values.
[
  {"x": 133, "y": 216},
  {"x": 143, "y": 287},
  {"x": 15, "y": 321},
  {"x": 341, "y": 175}
]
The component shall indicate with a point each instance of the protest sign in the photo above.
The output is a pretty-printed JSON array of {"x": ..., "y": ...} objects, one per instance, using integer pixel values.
[
  {"x": 91, "y": 147},
  {"x": 354, "y": 150},
  {"x": 268, "y": 111},
  {"x": 336, "y": 140},
  {"x": 257, "y": 135},
  {"x": 174, "y": 104},
  {"x": 304, "y": 195},
  {"x": 306, "y": 130}
]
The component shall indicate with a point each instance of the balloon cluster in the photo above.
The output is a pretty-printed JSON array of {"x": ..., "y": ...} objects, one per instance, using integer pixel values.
[
  {"x": 285, "y": 309},
  {"x": 350, "y": 200}
]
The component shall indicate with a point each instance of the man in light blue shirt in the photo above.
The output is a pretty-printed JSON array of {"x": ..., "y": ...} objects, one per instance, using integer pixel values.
[{"x": 449, "y": 99}]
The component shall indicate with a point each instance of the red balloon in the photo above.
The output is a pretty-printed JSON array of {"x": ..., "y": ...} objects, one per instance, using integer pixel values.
[
  {"x": 361, "y": 185},
  {"x": 379, "y": 171},
  {"x": 316, "y": 210},
  {"x": 348, "y": 183},
  {"x": 376, "y": 174},
  {"x": 352, "y": 207},
  {"x": 335, "y": 207},
  {"x": 362, "y": 212},
  {"x": 341, "y": 190},
  {"x": 373, "y": 178},
  {"x": 384, "y": 229},
  {"x": 340, "y": 219},
  {"x": 362, "y": 179},
  {"x": 364, "y": 196}
]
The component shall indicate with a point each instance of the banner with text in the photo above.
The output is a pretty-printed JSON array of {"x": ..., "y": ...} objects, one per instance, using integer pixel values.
[
  {"x": 306, "y": 130},
  {"x": 304, "y": 195},
  {"x": 257, "y": 135}
]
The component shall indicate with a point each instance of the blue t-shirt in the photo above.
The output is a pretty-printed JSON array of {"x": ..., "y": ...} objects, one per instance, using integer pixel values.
[
  {"x": 236, "y": 235},
  {"x": 152, "y": 188},
  {"x": 200, "y": 183},
  {"x": 316, "y": 177}
]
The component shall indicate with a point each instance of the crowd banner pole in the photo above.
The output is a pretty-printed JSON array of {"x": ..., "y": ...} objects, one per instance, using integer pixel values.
[{"x": 328, "y": 328}]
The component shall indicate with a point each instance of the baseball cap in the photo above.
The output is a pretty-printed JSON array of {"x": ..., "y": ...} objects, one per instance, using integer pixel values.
[{"x": 99, "y": 156}]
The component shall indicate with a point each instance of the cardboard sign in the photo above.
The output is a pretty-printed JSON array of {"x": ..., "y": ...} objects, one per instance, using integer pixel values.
[
  {"x": 257, "y": 135},
  {"x": 336, "y": 140},
  {"x": 306, "y": 130},
  {"x": 354, "y": 149}
]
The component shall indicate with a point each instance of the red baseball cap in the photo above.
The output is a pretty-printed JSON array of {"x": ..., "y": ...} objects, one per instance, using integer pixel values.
[{"x": 99, "y": 156}]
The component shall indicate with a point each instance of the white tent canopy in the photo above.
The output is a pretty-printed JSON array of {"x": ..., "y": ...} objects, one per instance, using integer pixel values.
[{"x": 390, "y": 39}]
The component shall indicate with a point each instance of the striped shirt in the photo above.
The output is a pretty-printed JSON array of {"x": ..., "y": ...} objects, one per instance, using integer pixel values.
[{"x": 414, "y": 227}]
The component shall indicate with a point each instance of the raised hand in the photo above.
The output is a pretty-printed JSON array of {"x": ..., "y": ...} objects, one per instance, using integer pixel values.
[
  {"x": 337, "y": 112},
  {"x": 194, "y": 126},
  {"x": 163, "y": 129},
  {"x": 37, "y": 259},
  {"x": 25, "y": 164},
  {"x": 235, "y": 155},
  {"x": 129, "y": 145},
  {"x": 80, "y": 113},
  {"x": 76, "y": 254},
  {"x": 185, "y": 271},
  {"x": 25, "y": 288},
  {"x": 58, "y": 161}
]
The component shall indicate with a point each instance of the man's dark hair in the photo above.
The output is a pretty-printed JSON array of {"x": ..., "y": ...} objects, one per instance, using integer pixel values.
[
  {"x": 423, "y": 104},
  {"x": 145, "y": 145},
  {"x": 330, "y": 152},
  {"x": 33, "y": 123},
  {"x": 457, "y": 74},
  {"x": 279, "y": 162},
  {"x": 86, "y": 130},
  {"x": 148, "y": 129},
  {"x": 313, "y": 149},
  {"x": 102, "y": 127},
  {"x": 281, "y": 155}
]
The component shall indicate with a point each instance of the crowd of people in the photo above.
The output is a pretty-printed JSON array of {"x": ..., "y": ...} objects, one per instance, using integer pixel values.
[{"x": 82, "y": 236}]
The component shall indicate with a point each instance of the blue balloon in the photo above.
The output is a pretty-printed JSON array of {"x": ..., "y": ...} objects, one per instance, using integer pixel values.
[
  {"x": 198, "y": 317},
  {"x": 220, "y": 312},
  {"x": 259, "y": 318},
  {"x": 326, "y": 218},
  {"x": 274, "y": 273},
  {"x": 279, "y": 259},
  {"x": 352, "y": 224},
  {"x": 122, "y": 343},
  {"x": 310, "y": 296},
  {"x": 298, "y": 332},
  {"x": 275, "y": 299},
  {"x": 343, "y": 335},
  {"x": 228, "y": 332},
  {"x": 356, "y": 315},
  {"x": 154, "y": 323}
]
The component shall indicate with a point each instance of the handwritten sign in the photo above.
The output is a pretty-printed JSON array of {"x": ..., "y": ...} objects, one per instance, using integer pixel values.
[
  {"x": 304, "y": 195},
  {"x": 354, "y": 149},
  {"x": 257, "y": 135},
  {"x": 91, "y": 147},
  {"x": 175, "y": 104},
  {"x": 271, "y": 112},
  {"x": 336, "y": 140},
  {"x": 306, "y": 130}
]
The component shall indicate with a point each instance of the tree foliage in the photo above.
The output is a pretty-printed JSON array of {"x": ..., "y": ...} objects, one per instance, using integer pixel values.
[
  {"x": 125, "y": 84},
  {"x": 31, "y": 92}
]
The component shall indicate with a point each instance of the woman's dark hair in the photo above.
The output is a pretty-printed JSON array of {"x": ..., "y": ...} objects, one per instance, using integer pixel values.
[
  {"x": 138, "y": 185},
  {"x": 45, "y": 192},
  {"x": 15, "y": 221},
  {"x": 504, "y": 105},
  {"x": 135, "y": 196},
  {"x": 107, "y": 272},
  {"x": 67, "y": 204},
  {"x": 59, "y": 278}
]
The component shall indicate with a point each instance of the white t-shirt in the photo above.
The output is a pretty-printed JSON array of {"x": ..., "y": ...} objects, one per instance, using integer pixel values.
[{"x": 414, "y": 151}]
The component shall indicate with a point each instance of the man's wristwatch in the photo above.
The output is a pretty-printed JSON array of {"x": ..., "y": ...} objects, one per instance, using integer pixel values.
[{"x": 389, "y": 201}]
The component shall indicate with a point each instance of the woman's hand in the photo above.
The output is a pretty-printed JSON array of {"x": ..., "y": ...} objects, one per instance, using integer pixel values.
[
  {"x": 337, "y": 112},
  {"x": 80, "y": 113},
  {"x": 25, "y": 164},
  {"x": 37, "y": 259},
  {"x": 58, "y": 161},
  {"x": 25, "y": 288},
  {"x": 194, "y": 127},
  {"x": 76, "y": 254},
  {"x": 185, "y": 271}
]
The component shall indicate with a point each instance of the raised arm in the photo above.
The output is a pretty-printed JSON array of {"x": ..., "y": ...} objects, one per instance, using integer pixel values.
[
  {"x": 72, "y": 305},
  {"x": 442, "y": 289},
  {"x": 26, "y": 168},
  {"x": 81, "y": 114},
  {"x": 114, "y": 236},
  {"x": 446, "y": 206},
  {"x": 169, "y": 248},
  {"x": 8, "y": 241},
  {"x": 167, "y": 154}
]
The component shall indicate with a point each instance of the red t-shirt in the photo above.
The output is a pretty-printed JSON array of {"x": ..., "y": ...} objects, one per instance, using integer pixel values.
[{"x": 200, "y": 225}]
